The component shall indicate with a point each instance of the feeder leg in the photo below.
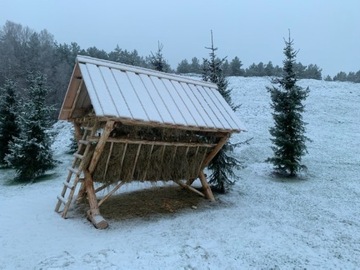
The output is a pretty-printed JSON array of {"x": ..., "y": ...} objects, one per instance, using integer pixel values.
[
  {"x": 94, "y": 213},
  {"x": 207, "y": 190}
]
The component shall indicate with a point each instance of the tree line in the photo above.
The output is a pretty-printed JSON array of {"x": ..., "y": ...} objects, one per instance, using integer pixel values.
[
  {"x": 235, "y": 68},
  {"x": 345, "y": 77},
  {"x": 24, "y": 51}
]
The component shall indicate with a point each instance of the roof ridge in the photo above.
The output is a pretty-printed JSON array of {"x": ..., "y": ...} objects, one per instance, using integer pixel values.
[{"x": 142, "y": 70}]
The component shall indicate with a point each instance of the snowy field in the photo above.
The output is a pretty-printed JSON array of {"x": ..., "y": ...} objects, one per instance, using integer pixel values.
[{"x": 263, "y": 223}]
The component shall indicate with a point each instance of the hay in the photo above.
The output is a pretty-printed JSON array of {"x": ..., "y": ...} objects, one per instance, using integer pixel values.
[{"x": 130, "y": 161}]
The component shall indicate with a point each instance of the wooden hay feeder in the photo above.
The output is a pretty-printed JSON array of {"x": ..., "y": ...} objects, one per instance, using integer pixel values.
[{"x": 136, "y": 124}]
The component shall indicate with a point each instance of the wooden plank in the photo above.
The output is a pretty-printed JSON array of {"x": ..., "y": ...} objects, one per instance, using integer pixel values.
[
  {"x": 76, "y": 97},
  {"x": 140, "y": 122},
  {"x": 108, "y": 160},
  {"x": 135, "y": 161},
  {"x": 122, "y": 159},
  {"x": 74, "y": 170},
  {"x": 68, "y": 185},
  {"x": 102, "y": 187},
  {"x": 207, "y": 190},
  {"x": 78, "y": 156},
  {"x": 145, "y": 142},
  {"x": 213, "y": 153},
  {"x": 189, "y": 188},
  {"x": 62, "y": 199},
  {"x": 84, "y": 142},
  {"x": 148, "y": 163},
  {"x": 100, "y": 146},
  {"x": 111, "y": 193},
  {"x": 77, "y": 128}
]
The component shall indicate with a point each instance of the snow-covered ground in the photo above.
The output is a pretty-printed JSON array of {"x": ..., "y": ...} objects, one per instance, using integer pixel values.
[{"x": 263, "y": 223}]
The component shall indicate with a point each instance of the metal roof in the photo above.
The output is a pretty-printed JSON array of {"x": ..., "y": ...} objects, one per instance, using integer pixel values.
[{"x": 132, "y": 93}]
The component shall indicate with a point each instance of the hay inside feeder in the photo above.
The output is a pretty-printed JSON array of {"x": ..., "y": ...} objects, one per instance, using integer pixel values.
[{"x": 134, "y": 153}]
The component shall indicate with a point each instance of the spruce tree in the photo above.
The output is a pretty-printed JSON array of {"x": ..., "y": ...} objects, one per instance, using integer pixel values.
[
  {"x": 223, "y": 165},
  {"x": 158, "y": 62},
  {"x": 30, "y": 152},
  {"x": 8, "y": 118},
  {"x": 288, "y": 133}
]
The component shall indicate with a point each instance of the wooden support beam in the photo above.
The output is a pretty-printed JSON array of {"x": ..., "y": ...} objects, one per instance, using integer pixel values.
[
  {"x": 94, "y": 213},
  {"x": 148, "y": 163},
  {"x": 145, "y": 142},
  {"x": 216, "y": 150},
  {"x": 207, "y": 190},
  {"x": 108, "y": 160},
  {"x": 181, "y": 184},
  {"x": 100, "y": 146},
  {"x": 122, "y": 159},
  {"x": 135, "y": 161},
  {"x": 111, "y": 193},
  {"x": 77, "y": 131}
]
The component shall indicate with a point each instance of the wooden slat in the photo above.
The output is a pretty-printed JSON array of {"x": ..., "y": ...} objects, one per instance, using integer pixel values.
[
  {"x": 135, "y": 161},
  {"x": 76, "y": 97},
  {"x": 74, "y": 170},
  {"x": 145, "y": 142},
  {"x": 148, "y": 163},
  {"x": 68, "y": 185},
  {"x": 189, "y": 188},
  {"x": 62, "y": 199},
  {"x": 137, "y": 122},
  {"x": 108, "y": 160},
  {"x": 122, "y": 159},
  {"x": 110, "y": 193},
  {"x": 78, "y": 156},
  {"x": 84, "y": 142}
]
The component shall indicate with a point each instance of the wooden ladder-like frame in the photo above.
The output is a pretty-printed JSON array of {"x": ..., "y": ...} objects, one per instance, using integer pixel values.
[{"x": 75, "y": 172}]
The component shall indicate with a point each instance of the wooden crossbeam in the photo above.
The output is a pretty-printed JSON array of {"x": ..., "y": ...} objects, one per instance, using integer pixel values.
[{"x": 145, "y": 142}]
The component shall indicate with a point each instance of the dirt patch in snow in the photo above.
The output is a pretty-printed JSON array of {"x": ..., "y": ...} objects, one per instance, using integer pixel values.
[{"x": 151, "y": 203}]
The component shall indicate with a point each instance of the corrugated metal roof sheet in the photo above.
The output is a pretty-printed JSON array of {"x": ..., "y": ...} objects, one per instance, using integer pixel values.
[{"x": 139, "y": 94}]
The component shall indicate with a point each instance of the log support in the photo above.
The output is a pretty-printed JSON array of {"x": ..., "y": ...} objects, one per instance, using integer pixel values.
[
  {"x": 183, "y": 185},
  {"x": 207, "y": 190},
  {"x": 94, "y": 213}
]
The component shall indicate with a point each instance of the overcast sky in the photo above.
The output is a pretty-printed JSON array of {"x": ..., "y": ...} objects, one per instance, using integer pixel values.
[{"x": 327, "y": 32}]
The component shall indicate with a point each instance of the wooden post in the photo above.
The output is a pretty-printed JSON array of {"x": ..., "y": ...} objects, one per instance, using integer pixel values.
[
  {"x": 210, "y": 156},
  {"x": 216, "y": 150},
  {"x": 100, "y": 146},
  {"x": 183, "y": 185},
  {"x": 77, "y": 131},
  {"x": 207, "y": 190},
  {"x": 94, "y": 212}
]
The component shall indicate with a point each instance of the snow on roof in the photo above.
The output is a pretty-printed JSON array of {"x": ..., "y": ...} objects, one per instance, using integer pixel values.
[{"x": 122, "y": 91}]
